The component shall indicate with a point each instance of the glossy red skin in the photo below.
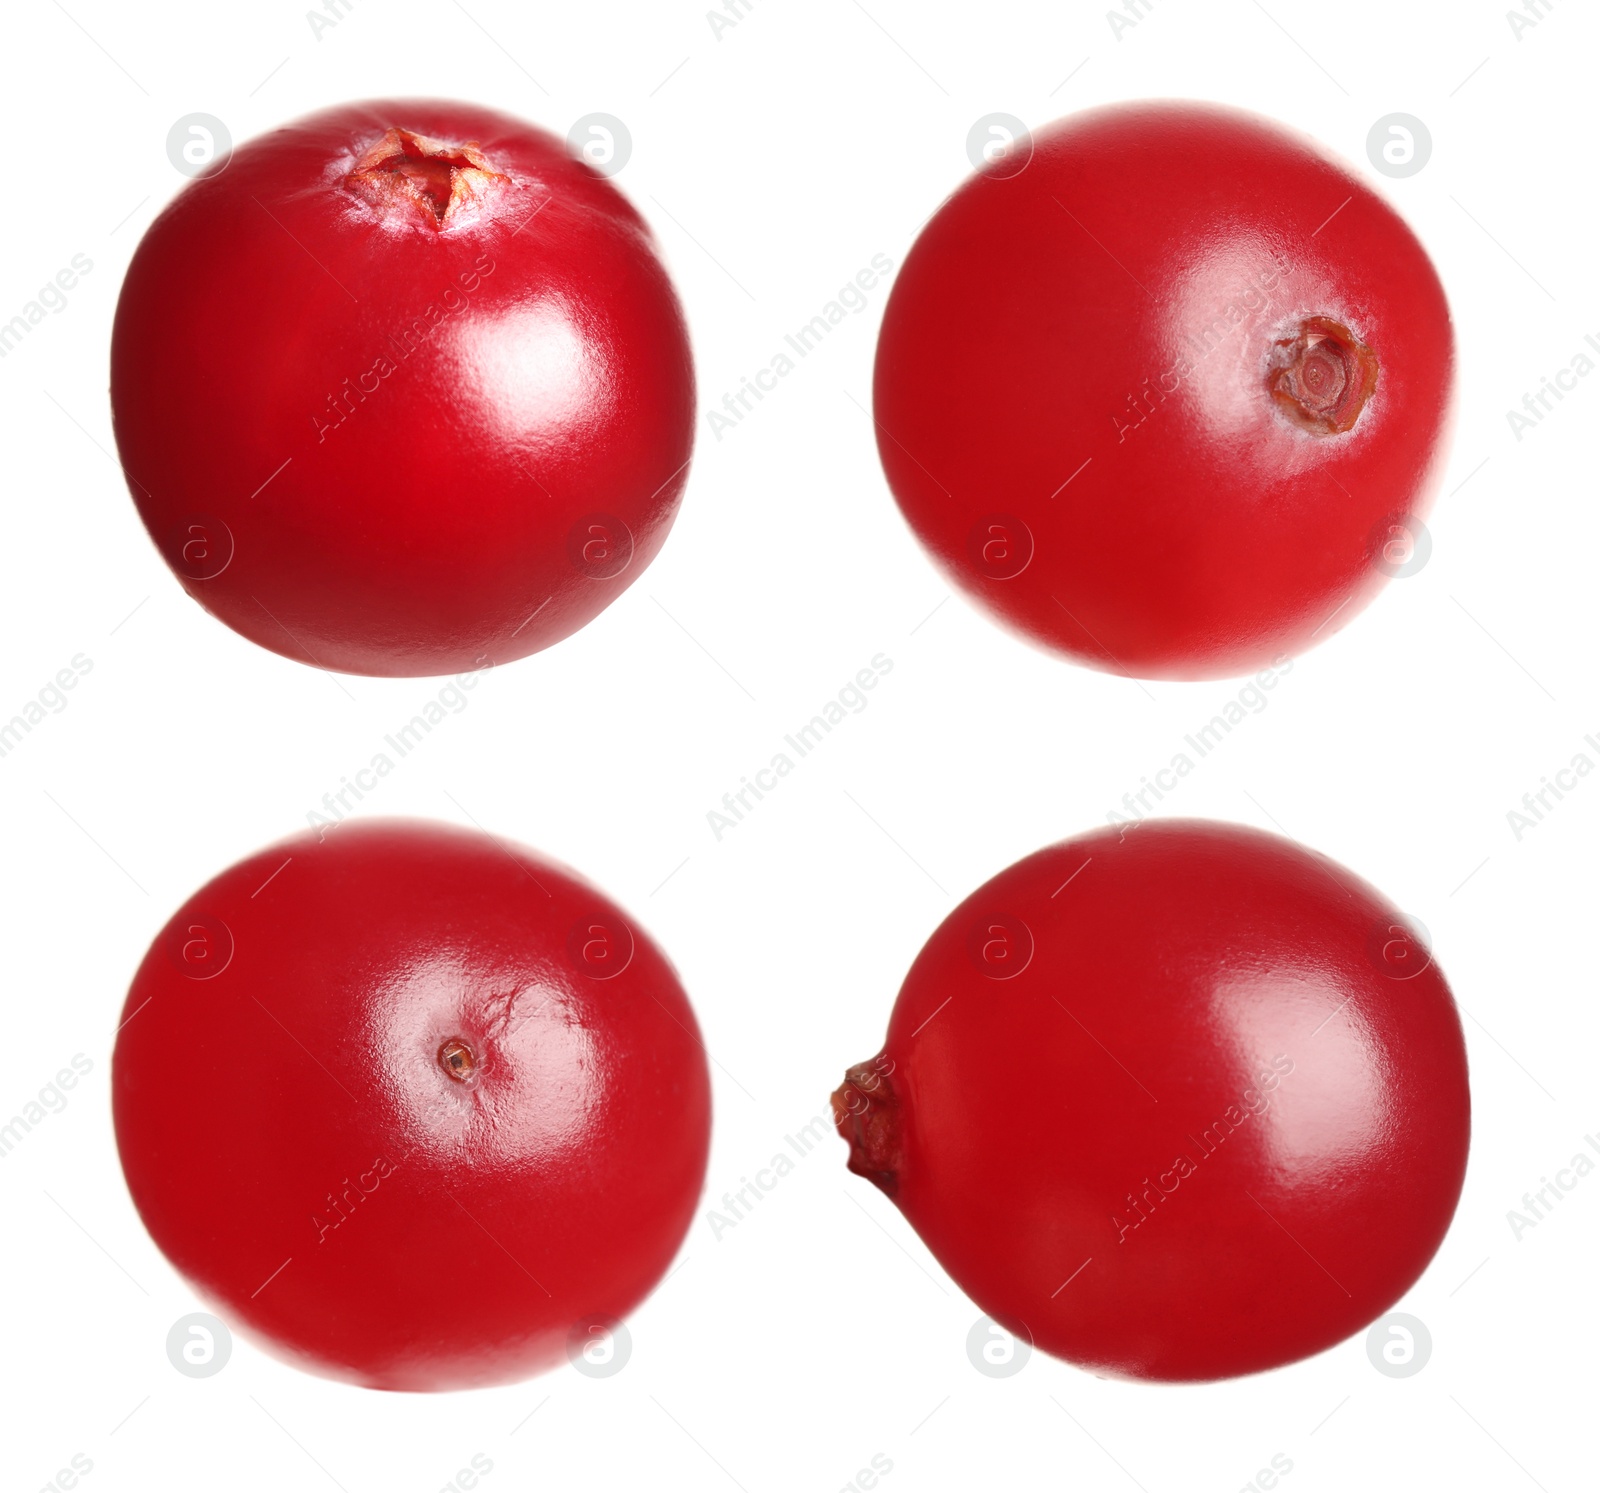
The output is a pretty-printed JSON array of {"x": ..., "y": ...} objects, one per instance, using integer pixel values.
[
  {"x": 1181, "y": 961},
  {"x": 552, "y": 1193},
  {"x": 421, "y": 534},
  {"x": 1215, "y": 535}
]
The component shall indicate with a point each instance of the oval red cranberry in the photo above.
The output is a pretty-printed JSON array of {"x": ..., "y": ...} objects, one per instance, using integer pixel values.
[
  {"x": 1172, "y": 398},
  {"x": 416, "y": 1107},
  {"x": 403, "y": 389},
  {"x": 1178, "y": 1102}
]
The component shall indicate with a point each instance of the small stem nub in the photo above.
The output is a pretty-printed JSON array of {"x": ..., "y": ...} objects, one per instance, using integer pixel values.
[
  {"x": 866, "y": 1112},
  {"x": 458, "y": 1060},
  {"x": 1323, "y": 376}
]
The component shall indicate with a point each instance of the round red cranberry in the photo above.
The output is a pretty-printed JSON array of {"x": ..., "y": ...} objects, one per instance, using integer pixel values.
[
  {"x": 1177, "y": 1102},
  {"x": 1172, "y": 397},
  {"x": 416, "y": 1107},
  {"x": 403, "y": 389}
]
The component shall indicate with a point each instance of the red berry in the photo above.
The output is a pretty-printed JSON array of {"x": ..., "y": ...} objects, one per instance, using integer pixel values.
[
  {"x": 403, "y": 389},
  {"x": 1179, "y": 1101},
  {"x": 411, "y": 1104},
  {"x": 1170, "y": 397}
]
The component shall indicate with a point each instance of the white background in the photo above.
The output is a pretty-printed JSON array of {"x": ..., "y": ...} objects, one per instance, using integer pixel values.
[{"x": 774, "y": 163}]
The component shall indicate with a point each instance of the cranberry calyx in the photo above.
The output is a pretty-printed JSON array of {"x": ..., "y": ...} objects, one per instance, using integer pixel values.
[
  {"x": 458, "y": 1060},
  {"x": 409, "y": 173},
  {"x": 866, "y": 1112},
  {"x": 1323, "y": 376}
]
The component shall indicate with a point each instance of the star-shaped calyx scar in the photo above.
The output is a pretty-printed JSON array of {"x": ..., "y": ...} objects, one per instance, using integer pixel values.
[{"x": 407, "y": 173}]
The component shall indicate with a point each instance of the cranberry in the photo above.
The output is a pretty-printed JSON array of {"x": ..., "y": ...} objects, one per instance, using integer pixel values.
[
  {"x": 1159, "y": 397},
  {"x": 404, "y": 389},
  {"x": 1179, "y": 1101},
  {"x": 412, "y": 1105}
]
